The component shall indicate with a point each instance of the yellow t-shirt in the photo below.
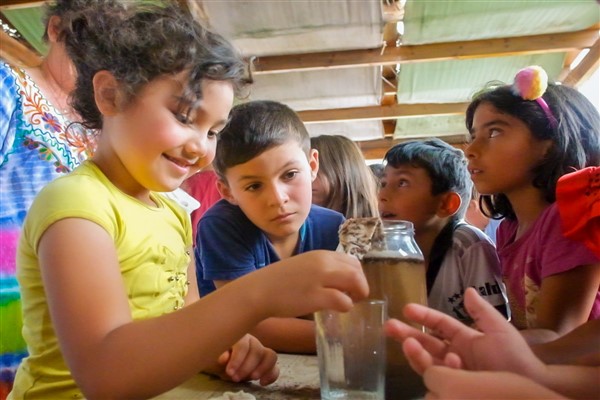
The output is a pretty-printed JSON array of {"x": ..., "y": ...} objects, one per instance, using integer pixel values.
[{"x": 151, "y": 243}]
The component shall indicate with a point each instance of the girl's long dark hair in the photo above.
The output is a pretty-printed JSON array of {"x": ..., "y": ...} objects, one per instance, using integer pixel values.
[{"x": 575, "y": 138}]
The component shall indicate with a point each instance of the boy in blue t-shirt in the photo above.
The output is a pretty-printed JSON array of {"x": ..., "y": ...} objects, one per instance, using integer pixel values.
[{"x": 266, "y": 168}]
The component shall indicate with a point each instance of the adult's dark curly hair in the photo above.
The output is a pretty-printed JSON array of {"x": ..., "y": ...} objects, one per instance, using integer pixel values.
[
  {"x": 137, "y": 43},
  {"x": 64, "y": 9},
  {"x": 575, "y": 138}
]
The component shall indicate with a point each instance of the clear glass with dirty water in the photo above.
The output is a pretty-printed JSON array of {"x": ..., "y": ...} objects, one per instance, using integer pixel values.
[
  {"x": 395, "y": 271},
  {"x": 351, "y": 352}
]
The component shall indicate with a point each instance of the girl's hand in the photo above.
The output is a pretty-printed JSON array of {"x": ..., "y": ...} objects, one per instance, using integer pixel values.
[
  {"x": 249, "y": 360},
  {"x": 497, "y": 346},
  {"x": 306, "y": 283}
]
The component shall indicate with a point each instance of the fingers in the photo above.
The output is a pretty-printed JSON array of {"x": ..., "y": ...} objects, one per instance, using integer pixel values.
[
  {"x": 238, "y": 354},
  {"x": 401, "y": 331},
  {"x": 418, "y": 358},
  {"x": 439, "y": 324},
  {"x": 250, "y": 360},
  {"x": 453, "y": 360},
  {"x": 486, "y": 317},
  {"x": 348, "y": 277},
  {"x": 224, "y": 358},
  {"x": 268, "y": 371}
]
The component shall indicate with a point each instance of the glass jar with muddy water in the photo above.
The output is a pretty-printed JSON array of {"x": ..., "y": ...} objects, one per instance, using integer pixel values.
[{"x": 395, "y": 270}]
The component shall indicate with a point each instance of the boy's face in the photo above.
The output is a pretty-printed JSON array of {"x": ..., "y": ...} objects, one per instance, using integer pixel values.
[
  {"x": 274, "y": 189},
  {"x": 405, "y": 194}
]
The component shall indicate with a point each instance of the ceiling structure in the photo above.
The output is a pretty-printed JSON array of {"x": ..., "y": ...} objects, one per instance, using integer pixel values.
[{"x": 379, "y": 71}]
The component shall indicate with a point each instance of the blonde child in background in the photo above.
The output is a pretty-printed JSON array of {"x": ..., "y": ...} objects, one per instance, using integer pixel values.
[
  {"x": 476, "y": 217},
  {"x": 344, "y": 182},
  {"x": 104, "y": 259},
  {"x": 521, "y": 144}
]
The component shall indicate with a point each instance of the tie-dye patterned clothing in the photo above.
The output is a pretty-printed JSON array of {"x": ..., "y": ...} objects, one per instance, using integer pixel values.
[
  {"x": 34, "y": 149},
  {"x": 541, "y": 252}
]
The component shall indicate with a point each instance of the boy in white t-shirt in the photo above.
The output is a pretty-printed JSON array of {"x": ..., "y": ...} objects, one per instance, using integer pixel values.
[{"x": 427, "y": 183}]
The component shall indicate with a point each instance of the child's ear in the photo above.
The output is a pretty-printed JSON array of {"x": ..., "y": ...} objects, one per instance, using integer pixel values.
[
  {"x": 106, "y": 93},
  {"x": 53, "y": 28},
  {"x": 225, "y": 192},
  {"x": 313, "y": 162},
  {"x": 449, "y": 205}
]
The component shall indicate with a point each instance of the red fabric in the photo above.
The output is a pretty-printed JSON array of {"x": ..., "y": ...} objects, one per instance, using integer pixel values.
[
  {"x": 203, "y": 187},
  {"x": 578, "y": 200}
]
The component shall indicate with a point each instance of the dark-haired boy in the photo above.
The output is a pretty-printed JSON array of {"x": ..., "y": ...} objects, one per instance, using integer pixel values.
[
  {"x": 427, "y": 183},
  {"x": 266, "y": 168}
]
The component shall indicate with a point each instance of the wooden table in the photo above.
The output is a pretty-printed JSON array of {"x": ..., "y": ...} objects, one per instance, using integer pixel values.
[{"x": 298, "y": 379}]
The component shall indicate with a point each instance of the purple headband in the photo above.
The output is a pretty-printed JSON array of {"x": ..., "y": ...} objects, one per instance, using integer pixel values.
[{"x": 530, "y": 84}]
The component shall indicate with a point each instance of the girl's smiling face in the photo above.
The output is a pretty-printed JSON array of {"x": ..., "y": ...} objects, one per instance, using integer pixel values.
[
  {"x": 503, "y": 152},
  {"x": 154, "y": 144}
]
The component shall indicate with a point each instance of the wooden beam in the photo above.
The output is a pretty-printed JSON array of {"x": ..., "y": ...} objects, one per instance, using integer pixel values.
[
  {"x": 586, "y": 67},
  {"x": 17, "y": 53},
  {"x": 389, "y": 127},
  {"x": 554, "y": 42},
  {"x": 376, "y": 149},
  {"x": 12, "y": 4},
  {"x": 382, "y": 112}
]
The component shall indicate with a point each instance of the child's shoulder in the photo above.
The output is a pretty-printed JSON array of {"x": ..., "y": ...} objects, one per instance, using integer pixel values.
[
  {"x": 468, "y": 239},
  {"x": 320, "y": 216},
  {"x": 472, "y": 249},
  {"x": 226, "y": 218},
  {"x": 224, "y": 210},
  {"x": 86, "y": 181},
  {"x": 467, "y": 234}
]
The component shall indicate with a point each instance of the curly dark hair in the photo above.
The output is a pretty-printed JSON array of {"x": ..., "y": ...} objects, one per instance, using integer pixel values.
[
  {"x": 137, "y": 43},
  {"x": 64, "y": 9},
  {"x": 445, "y": 165},
  {"x": 575, "y": 137}
]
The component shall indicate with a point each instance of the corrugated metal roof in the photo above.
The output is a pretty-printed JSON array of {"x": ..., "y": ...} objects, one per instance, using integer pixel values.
[{"x": 319, "y": 34}]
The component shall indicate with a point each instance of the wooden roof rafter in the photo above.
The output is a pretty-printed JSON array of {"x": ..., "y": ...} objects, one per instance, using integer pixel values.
[{"x": 554, "y": 42}]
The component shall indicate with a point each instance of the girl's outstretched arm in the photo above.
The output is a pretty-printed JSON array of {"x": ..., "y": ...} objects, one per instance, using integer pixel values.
[
  {"x": 580, "y": 346},
  {"x": 564, "y": 302},
  {"x": 111, "y": 355},
  {"x": 288, "y": 335},
  {"x": 247, "y": 359}
]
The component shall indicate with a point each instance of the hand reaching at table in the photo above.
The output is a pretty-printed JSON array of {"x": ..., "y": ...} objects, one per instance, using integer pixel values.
[
  {"x": 247, "y": 360},
  {"x": 497, "y": 347}
]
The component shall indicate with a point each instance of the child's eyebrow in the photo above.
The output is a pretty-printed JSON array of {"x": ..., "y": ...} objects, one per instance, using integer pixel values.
[
  {"x": 253, "y": 177},
  {"x": 490, "y": 123}
]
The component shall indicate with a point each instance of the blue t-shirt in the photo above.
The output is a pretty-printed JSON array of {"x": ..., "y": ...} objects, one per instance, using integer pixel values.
[{"x": 229, "y": 245}]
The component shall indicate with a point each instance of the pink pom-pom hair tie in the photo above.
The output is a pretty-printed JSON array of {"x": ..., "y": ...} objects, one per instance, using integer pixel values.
[{"x": 530, "y": 84}]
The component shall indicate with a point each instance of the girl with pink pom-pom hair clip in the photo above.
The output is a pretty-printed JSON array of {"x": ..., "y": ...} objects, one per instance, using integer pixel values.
[{"x": 524, "y": 137}]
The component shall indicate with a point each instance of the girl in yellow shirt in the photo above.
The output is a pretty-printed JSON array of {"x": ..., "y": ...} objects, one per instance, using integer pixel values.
[{"x": 110, "y": 302}]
